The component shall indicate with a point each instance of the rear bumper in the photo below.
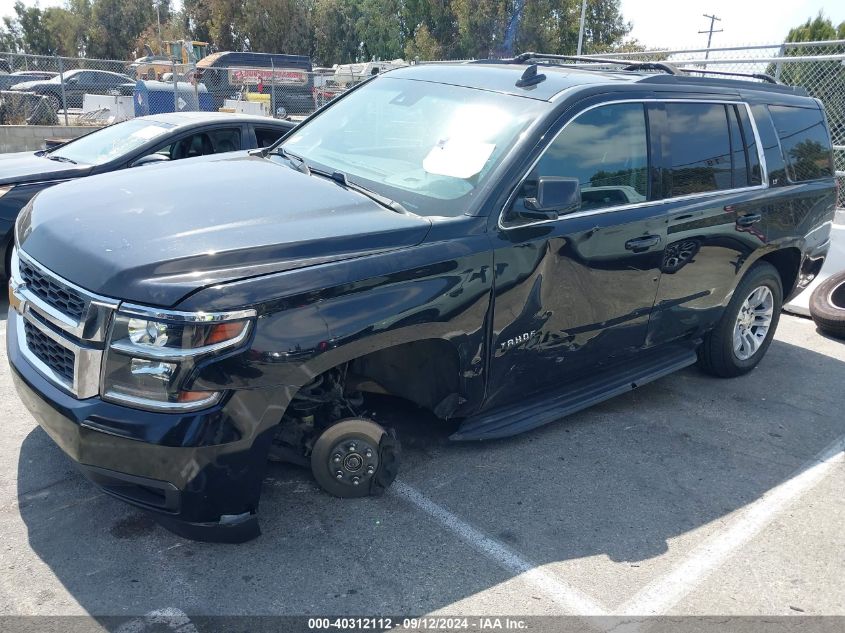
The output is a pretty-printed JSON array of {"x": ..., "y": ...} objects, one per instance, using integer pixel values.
[{"x": 163, "y": 463}]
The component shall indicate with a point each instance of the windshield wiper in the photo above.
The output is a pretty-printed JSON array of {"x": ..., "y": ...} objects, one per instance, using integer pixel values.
[
  {"x": 297, "y": 161},
  {"x": 61, "y": 159},
  {"x": 340, "y": 178}
]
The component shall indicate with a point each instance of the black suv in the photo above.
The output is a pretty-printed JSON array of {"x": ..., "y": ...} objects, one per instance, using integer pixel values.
[{"x": 501, "y": 243}]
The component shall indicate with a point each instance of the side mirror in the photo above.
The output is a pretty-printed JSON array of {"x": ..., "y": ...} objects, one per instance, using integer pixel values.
[
  {"x": 555, "y": 196},
  {"x": 150, "y": 159}
]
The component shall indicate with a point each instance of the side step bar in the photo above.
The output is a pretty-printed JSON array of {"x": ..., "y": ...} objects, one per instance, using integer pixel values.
[{"x": 613, "y": 381}]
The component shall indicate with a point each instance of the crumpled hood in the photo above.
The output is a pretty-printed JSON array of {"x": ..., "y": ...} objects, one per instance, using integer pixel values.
[
  {"x": 153, "y": 234},
  {"x": 23, "y": 167}
]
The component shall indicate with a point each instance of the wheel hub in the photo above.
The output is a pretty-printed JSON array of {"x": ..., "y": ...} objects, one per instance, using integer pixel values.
[{"x": 353, "y": 462}]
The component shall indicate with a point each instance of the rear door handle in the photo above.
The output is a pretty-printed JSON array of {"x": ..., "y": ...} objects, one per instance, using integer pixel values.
[
  {"x": 748, "y": 220},
  {"x": 639, "y": 244}
]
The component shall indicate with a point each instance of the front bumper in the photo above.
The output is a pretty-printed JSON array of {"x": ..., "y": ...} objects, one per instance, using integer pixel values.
[{"x": 199, "y": 473}]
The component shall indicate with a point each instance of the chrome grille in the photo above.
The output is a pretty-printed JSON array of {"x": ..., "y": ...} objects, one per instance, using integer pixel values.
[
  {"x": 60, "y": 327},
  {"x": 62, "y": 298},
  {"x": 58, "y": 358}
]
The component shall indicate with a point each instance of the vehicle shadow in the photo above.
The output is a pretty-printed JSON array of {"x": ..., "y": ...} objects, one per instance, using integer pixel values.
[{"x": 621, "y": 480}]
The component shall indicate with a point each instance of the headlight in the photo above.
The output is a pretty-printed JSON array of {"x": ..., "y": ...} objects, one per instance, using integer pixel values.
[
  {"x": 23, "y": 225},
  {"x": 152, "y": 353}
]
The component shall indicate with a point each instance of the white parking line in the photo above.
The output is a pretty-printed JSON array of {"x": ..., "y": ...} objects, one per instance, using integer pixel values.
[
  {"x": 662, "y": 594},
  {"x": 573, "y": 601}
]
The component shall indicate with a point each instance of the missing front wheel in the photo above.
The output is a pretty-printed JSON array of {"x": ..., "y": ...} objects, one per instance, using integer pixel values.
[{"x": 355, "y": 458}]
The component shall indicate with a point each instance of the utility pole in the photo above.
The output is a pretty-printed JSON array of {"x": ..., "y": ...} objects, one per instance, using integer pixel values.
[
  {"x": 581, "y": 29},
  {"x": 158, "y": 21},
  {"x": 713, "y": 19}
]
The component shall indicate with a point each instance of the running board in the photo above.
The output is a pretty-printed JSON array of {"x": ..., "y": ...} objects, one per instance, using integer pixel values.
[{"x": 613, "y": 381}]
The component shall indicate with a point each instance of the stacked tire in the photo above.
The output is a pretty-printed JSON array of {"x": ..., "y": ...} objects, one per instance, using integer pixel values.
[{"x": 827, "y": 305}]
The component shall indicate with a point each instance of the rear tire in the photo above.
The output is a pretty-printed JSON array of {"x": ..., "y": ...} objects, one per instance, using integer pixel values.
[
  {"x": 827, "y": 305},
  {"x": 743, "y": 335}
]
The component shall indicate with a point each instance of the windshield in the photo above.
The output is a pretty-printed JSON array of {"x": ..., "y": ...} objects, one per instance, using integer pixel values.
[
  {"x": 428, "y": 146},
  {"x": 111, "y": 142}
]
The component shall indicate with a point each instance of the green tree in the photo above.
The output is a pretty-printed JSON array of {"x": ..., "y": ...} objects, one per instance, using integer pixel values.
[
  {"x": 552, "y": 26},
  {"x": 225, "y": 19},
  {"x": 481, "y": 25},
  {"x": 817, "y": 29},
  {"x": 10, "y": 35},
  {"x": 34, "y": 38},
  {"x": 430, "y": 29},
  {"x": 423, "y": 45},
  {"x": 116, "y": 24},
  {"x": 378, "y": 28},
  {"x": 276, "y": 26},
  {"x": 604, "y": 26},
  {"x": 335, "y": 38},
  {"x": 332, "y": 31},
  {"x": 197, "y": 19},
  {"x": 78, "y": 27}
]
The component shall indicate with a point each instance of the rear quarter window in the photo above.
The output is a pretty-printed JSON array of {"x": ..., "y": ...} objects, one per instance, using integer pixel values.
[{"x": 805, "y": 142}]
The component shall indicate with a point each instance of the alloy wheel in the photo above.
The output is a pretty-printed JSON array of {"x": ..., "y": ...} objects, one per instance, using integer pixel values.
[{"x": 753, "y": 322}]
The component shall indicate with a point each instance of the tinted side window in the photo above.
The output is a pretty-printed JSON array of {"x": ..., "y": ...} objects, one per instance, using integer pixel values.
[
  {"x": 205, "y": 143},
  {"x": 805, "y": 142},
  {"x": 265, "y": 137},
  {"x": 606, "y": 149},
  {"x": 225, "y": 140},
  {"x": 699, "y": 148}
]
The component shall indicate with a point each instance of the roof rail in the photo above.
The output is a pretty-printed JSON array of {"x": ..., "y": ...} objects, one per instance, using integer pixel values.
[
  {"x": 762, "y": 76},
  {"x": 664, "y": 66},
  {"x": 627, "y": 64}
]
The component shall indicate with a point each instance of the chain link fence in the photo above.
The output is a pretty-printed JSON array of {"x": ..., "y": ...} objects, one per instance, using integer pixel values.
[{"x": 46, "y": 90}]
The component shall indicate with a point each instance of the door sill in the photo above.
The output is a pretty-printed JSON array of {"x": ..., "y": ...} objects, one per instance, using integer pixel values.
[{"x": 529, "y": 414}]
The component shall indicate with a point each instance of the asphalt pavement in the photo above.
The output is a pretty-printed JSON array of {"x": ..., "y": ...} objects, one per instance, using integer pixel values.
[{"x": 691, "y": 495}]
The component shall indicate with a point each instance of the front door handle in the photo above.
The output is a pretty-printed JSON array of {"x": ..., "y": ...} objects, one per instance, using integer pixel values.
[
  {"x": 748, "y": 220},
  {"x": 640, "y": 244}
]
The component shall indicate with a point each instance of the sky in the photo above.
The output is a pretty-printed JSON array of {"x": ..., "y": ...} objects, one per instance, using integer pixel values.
[{"x": 675, "y": 23}]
